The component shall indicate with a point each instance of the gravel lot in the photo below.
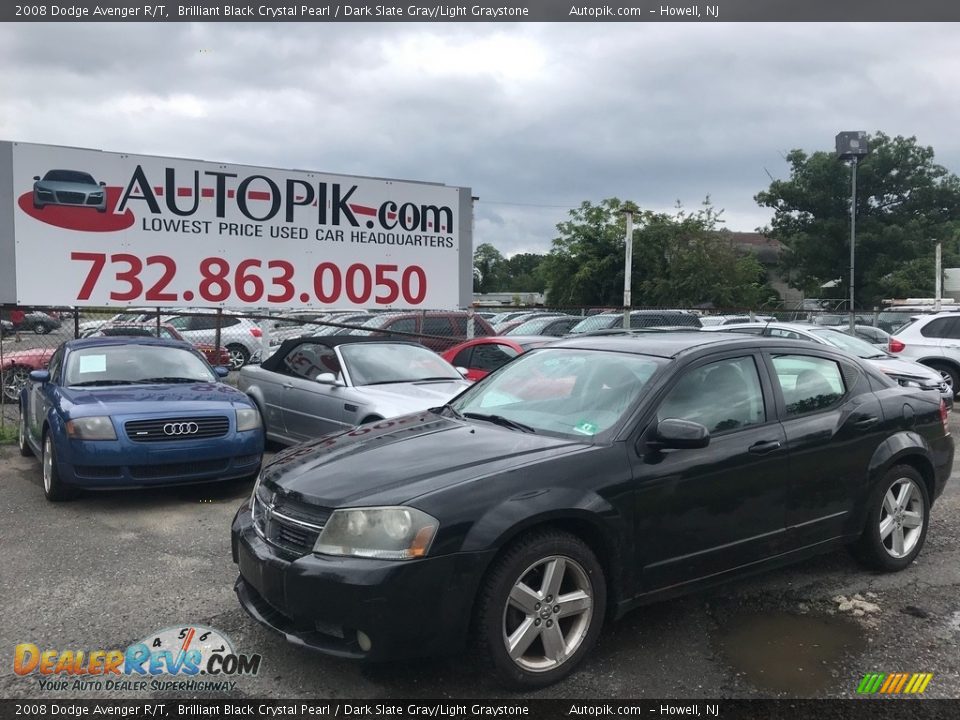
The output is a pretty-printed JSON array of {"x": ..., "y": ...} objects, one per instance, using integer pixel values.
[{"x": 107, "y": 569}]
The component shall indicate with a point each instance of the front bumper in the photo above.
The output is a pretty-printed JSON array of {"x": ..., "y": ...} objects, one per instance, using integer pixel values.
[
  {"x": 115, "y": 464},
  {"x": 406, "y": 608}
]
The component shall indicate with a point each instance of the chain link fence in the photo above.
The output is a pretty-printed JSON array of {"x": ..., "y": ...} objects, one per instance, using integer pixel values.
[{"x": 29, "y": 336}]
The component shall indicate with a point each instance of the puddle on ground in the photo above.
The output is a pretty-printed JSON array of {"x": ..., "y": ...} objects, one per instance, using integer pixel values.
[{"x": 789, "y": 653}]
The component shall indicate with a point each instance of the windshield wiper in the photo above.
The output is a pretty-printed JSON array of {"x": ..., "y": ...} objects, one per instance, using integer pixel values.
[
  {"x": 169, "y": 379},
  {"x": 89, "y": 383},
  {"x": 500, "y": 420}
]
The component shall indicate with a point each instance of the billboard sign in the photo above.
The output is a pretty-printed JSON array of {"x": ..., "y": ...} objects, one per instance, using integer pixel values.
[{"x": 99, "y": 228}]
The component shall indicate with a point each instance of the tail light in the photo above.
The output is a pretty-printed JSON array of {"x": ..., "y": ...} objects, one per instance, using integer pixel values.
[
  {"x": 256, "y": 332},
  {"x": 895, "y": 345},
  {"x": 944, "y": 416}
]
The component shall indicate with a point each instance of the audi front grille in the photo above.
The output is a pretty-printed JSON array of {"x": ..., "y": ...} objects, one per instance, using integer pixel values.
[
  {"x": 180, "y": 428},
  {"x": 74, "y": 198}
]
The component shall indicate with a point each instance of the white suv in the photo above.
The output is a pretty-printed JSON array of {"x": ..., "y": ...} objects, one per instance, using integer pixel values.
[
  {"x": 933, "y": 340},
  {"x": 241, "y": 337}
]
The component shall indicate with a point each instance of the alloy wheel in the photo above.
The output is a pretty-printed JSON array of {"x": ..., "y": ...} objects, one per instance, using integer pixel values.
[
  {"x": 901, "y": 517},
  {"x": 13, "y": 381},
  {"x": 947, "y": 378},
  {"x": 47, "y": 464},
  {"x": 548, "y": 613}
]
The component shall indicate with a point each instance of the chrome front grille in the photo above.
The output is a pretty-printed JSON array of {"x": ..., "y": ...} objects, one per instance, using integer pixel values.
[
  {"x": 178, "y": 428},
  {"x": 289, "y": 525}
]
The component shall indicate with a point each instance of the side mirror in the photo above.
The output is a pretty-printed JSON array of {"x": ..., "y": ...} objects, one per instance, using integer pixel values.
[
  {"x": 221, "y": 371},
  {"x": 462, "y": 370},
  {"x": 36, "y": 177},
  {"x": 329, "y": 379},
  {"x": 102, "y": 184},
  {"x": 40, "y": 376},
  {"x": 679, "y": 434}
]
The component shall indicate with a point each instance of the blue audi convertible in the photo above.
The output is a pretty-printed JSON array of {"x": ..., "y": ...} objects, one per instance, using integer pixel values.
[{"x": 121, "y": 412}]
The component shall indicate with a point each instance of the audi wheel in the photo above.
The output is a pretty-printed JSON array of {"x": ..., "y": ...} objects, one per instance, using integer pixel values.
[
  {"x": 53, "y": 488},
  {"x": 541, "y": 609}
]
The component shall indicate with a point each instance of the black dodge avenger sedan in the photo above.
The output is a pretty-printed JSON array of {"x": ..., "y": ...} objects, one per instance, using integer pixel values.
[{"x": 579, "y": 481}]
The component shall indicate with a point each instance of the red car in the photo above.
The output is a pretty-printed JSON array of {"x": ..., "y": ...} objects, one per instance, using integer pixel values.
[
  {"x": 16, "y": 369},
  {"x": 482, "y": 355},
  {"x": 166, "y": 331}
]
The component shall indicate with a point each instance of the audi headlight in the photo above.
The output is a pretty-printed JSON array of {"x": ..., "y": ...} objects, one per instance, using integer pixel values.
[
  {"x": 91, "y": 428},
  {"x": 248, "y": 419},
  {"x": 385, "y": 533}
]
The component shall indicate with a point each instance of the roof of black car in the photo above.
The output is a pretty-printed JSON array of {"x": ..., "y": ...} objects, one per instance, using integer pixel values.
[{"x": 667, "y": 344}]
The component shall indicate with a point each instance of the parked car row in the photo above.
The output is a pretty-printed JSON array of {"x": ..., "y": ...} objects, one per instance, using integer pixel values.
[{"x": 417, "y": 512}]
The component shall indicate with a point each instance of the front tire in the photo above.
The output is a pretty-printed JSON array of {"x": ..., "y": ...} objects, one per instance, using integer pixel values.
[
  {"x": 14, "y": 379},
  {"x": 541, "y": 609},
  {"x": 898, "y": 515},
  {"x": 238, "y": 356},
  {"x": 53, "y": 488},
  {"x": 41, "y": 328}
]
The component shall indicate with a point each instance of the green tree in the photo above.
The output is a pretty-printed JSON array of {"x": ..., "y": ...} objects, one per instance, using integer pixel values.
[
  {"x": 905, "y": 204},
  {"x": 488, "y": 268},
  {"x": 679, "y": 260}
]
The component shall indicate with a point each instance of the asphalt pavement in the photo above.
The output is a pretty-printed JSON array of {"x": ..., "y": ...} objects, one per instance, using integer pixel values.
[{"x": 108, "y": 569}]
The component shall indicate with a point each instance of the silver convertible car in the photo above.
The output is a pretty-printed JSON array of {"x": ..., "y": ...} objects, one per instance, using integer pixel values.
[
  {"x": 69, "y": 187},
  {"x": 316, "y": 385}
]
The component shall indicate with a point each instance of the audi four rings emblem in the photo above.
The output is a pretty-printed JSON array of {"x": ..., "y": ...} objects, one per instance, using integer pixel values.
[{"x": 187, "y": 428}]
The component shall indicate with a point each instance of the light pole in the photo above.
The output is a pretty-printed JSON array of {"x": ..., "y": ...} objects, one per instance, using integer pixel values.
[
  {"x": 628, "y": 209},
  {"x": 852, "y": 145}
]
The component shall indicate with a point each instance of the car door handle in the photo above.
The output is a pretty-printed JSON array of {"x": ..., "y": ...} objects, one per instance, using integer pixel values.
[
  {"x": 866, "y": 422},
  {"x": 764, "y": 446}
]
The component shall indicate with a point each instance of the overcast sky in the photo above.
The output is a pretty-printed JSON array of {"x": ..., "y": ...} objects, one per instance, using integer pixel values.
[{"x": 535, "y": 118}]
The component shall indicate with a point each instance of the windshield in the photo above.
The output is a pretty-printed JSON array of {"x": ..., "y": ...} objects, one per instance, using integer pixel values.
[
  {"x": 532, "y": 327},
  {"x": 133, "y": 364},
  {"x": 382, "y": 363},
  {"x": 73, "y": 176},
  {"x": 597, "y": 322},
  {"x": 853, "y": 345},
  {"x": 561, "y": 391}
]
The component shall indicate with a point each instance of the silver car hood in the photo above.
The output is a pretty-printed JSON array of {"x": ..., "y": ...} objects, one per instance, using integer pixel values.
[
  {"x": 909, "y": 368},
  {"x": 407, "y": 397}
]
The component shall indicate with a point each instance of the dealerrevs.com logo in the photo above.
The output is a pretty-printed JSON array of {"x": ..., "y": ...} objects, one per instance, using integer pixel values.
[{"x": 187, "y": 658}]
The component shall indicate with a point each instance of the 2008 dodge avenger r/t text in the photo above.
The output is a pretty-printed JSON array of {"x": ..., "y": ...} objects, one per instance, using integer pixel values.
[{"x": 579, "y": 481}]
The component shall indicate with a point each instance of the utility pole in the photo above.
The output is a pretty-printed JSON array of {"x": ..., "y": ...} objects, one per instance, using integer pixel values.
[
  {"x": 852, "y": 146},
  {"x": 628, "y": 210},
  {"x": 853, "y": 240},
  {"x": 938, "y": 281}
]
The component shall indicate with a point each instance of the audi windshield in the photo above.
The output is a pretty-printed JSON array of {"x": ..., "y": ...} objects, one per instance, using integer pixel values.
[{"x": 135, "y": 364}]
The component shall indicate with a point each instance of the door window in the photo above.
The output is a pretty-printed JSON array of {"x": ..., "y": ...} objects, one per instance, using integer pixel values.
[
  {"x": 307, "y": 360},
  {"x": 490, "y": 356},
  {"x": 946, "y": 327},
  {"x": 462, "y": 358},
  {"x": 809, "y": 383},
  {"x": 722, "y": 396},
  {"x": 437, "y": 326}
]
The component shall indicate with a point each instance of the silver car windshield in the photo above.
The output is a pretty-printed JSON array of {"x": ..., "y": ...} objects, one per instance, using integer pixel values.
[
  {"x": 562, "y": 391},
  {"x": 135, "y": 364},
  {"x": 383, "y": 363}
]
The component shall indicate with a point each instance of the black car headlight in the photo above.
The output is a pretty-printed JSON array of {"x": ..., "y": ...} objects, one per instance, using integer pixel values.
[{"x": 384, "y": 533}]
